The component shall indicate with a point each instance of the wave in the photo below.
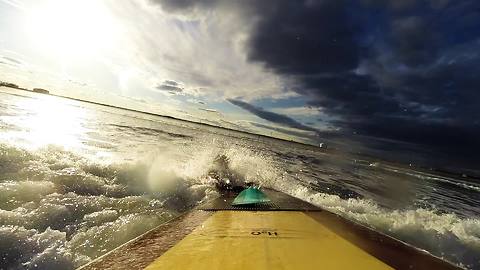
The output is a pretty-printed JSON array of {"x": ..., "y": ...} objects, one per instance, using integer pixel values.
[
  {"x": 74, "y": 209},
  {"x": 431, "y": 177},
  {"x": 444, "y": 235},
  {"x": 24, "y": 249},
  {"x": 59, "y": 210}
]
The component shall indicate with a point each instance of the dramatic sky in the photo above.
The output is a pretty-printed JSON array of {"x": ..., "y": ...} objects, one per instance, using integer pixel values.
[{"x": 404, "y": 70}]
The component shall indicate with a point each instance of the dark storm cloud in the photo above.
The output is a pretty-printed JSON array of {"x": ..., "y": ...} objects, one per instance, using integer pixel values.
[
  {"x": 169, "y": 86},
  {"x": 270, "y": 116},
  {"x": 404, "y": 70},
  {"x": 414, "y": 42},
  {"x": 420, "y": 62},
  {"x": 305, "y": 37}
]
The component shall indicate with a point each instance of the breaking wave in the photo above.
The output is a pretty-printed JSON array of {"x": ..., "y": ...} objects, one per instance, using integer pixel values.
[
  {"x": 444, "y": 235},
  {"x": 59, "y": 210}
]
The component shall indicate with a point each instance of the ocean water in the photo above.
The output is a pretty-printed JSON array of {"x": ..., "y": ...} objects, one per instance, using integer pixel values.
[{"x": 78, "y": 179}]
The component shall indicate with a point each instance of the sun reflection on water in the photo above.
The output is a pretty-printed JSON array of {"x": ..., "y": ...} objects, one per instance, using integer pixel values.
[{"x": 48, "y": 120}]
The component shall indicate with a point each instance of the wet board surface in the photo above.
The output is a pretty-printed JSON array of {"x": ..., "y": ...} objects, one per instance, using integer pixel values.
[
  {"x": 141, "y": 251},
  {"x": 288, "y": 234},
  {"x": 265, "y": 240}
]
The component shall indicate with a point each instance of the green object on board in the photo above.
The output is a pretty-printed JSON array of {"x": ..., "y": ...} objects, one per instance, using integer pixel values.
[{"x": 250, "y": 195}]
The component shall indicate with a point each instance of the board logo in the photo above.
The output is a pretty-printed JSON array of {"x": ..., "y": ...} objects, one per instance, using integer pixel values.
[{"x": 264, "y": 233}]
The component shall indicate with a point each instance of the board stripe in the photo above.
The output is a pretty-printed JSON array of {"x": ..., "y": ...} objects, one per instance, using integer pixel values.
[{"x": 264, "y": 240}]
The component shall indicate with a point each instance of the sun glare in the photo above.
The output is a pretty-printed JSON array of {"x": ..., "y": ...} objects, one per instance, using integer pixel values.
[
  {"x": 48, "y": 121},
  {"x": 71, "y": 29}
]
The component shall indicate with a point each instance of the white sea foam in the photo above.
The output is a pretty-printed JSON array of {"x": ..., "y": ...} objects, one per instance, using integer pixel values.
[
  {"x": 14, "y": 193},
  {"x": 444, "y": 235},
  {"x": 101, "y": 216},
  {"x": 30, "y": 249},
  {"x": 100, "y": 239}
]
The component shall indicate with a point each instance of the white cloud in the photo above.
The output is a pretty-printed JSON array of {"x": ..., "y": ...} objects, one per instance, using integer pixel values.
[{"x": 204, "y": 53}]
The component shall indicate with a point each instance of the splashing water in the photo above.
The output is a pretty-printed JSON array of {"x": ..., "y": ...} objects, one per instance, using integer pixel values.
[{"x": 117, "y": 174}]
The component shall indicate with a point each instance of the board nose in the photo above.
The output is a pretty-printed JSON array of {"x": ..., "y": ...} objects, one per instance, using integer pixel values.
[{"x": 251, "y": 195}]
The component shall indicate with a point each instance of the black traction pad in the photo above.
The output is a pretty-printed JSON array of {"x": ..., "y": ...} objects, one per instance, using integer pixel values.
[{"x": 279, "y": 202}]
